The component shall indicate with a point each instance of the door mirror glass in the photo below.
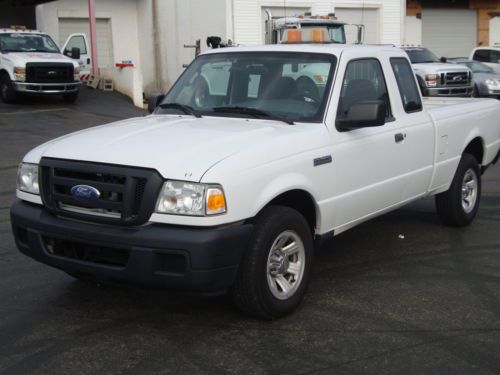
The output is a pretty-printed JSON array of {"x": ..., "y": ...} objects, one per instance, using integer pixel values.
[
  {"x": 362, "y": 115},
  {"x": 154, "y": 101}
]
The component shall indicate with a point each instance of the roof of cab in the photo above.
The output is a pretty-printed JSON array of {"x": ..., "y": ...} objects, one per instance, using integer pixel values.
[
  {"x": 330, "y": 48},
  {"x": 19, "y": 31}
]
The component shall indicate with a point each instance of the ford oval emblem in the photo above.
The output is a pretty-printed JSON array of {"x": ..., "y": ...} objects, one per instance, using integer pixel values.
[{"x": 85, "y": 192}]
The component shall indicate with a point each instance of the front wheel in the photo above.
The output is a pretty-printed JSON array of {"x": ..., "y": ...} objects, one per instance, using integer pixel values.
[
  {"x": 7, "y": 93},
  {"x": 276, "y": 266},
  {"x": 459, "y": 204},
  {"x": 70, "y": 98}
]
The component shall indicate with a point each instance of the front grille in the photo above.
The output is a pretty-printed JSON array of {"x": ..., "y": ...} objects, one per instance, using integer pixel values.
[
  {"x": 455, "y": 79},
  {"x": 108, "y": 256},
  {"x": 49, "y": 73},
  {"x": 127, "y": 195}
]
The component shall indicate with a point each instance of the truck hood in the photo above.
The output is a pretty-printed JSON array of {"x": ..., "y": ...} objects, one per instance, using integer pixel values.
[
  {"x": 178, "y": 147},
  {"x": 21, "y": 58},
  {"x": 432, "y": 68}
]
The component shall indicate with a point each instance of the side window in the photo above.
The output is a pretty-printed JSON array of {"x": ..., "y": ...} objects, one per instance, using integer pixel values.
[
  {"x": 77, "y": 41},
  {"x": 495, "y": 57},
  {"x": 408, "y": 89},
  {"x": 363, "y": 81},
  {"x": 482, "y": 55}
]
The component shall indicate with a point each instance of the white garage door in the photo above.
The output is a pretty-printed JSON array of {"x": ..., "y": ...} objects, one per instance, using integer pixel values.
[
  {"x": 68, "y": 26},
  {"x": 369, "y": 17},
  {"x": 449, "y": 32},
  {"x": 495, "y": 31}
]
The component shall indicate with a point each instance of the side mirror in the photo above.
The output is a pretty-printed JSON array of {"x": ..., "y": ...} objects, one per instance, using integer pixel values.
[
  {"x": 363, "y": 115},
  {"x": 154, "y": 100},
  {"x": 443, "y": 59},
  {"x": 74, "y": 53}
]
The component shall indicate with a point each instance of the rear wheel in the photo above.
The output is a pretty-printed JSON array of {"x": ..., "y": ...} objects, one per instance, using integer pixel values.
[
  {"x": 458, "y": 206},
  {"x": 275, "y": 270},
  {"x": 7, "y": 93}
]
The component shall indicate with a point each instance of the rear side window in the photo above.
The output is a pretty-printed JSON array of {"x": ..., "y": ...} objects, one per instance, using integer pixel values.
[
  {"x": 408, "y": 89},
  {"x": 363, "y": 81},
  {"x": 482, "y": 55}
]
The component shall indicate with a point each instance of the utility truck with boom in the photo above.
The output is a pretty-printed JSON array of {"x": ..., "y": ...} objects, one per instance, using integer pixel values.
[{"x": 246, "y": 166}]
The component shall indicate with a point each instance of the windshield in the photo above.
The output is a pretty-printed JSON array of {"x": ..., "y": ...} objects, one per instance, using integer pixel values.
[
  {"x": 336, "y": 32},
  {"x": 27, "y": 42},
  {"x": 422, "y": 55},
  {"x": 478, "y": 67},
  {"x": 286, "y": 85}
]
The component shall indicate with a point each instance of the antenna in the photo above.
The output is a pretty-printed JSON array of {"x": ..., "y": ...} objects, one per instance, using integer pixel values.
[{"x": 284, "y": 8}]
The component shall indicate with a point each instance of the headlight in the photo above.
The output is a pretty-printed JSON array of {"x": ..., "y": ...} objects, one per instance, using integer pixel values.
[
  {"x": 19, "y": 73},
  {"x": 76, "y": 73},
  {"x": 431, "y": 80},
  {"x": 491, "y": 82},
  {"x": 27, "y": 178},
  {"x": 189, "y": 198}
]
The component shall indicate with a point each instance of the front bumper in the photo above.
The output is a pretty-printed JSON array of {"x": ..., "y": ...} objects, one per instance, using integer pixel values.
[
  {"x": 188, "y": 258},
  {"x": 449, "y": 91},
  {"x": 47, "y": 88}
]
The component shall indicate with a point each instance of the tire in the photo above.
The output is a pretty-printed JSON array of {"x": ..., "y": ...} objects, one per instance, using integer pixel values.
[
  {"x": 475, "y": 92},
  {"x": 458, "y": 205},
  {"x": 257, "y": 291},
  {"x": 70, "y": 98},
  {"x": 7, "y": 92}
]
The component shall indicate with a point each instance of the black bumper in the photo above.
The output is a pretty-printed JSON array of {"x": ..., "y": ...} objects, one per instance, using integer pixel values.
[{"x": 195, "y": 259}]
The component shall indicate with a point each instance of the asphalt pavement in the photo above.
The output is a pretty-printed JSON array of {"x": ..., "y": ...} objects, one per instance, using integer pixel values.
[{"x": 400, "y": 294}]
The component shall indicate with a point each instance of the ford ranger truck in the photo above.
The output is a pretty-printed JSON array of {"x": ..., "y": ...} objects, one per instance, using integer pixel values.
[
  {"x": 246, "y": 166},
  {"x": 437, "y": 77},
  {"x": 31, "y": 64}
]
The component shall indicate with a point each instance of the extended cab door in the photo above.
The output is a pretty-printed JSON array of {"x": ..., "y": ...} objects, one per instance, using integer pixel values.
[
  {"x": 418, "y": 129},
  {"x": 79, "y": 41},
  {"x": 370, "y": 163}
]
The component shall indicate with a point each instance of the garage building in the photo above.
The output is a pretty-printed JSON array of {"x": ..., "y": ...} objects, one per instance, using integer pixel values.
[
  {"x": 153, "y": 33},
  {"x": 452, "y": 28}
]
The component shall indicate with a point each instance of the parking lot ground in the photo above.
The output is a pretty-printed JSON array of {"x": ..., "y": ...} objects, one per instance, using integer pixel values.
[{"x": 400, "y": 294}]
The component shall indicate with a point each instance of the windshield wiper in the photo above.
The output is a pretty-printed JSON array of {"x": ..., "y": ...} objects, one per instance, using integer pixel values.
[
  {"x": 181, "y": 107},
  {"x": 257, "y": 113}
]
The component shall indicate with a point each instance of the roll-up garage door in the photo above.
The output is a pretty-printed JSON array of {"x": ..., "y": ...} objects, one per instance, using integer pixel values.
[
  {"x": 449, "y": 32},
  {"x": 370, "y": 17},
  {"x": 68, "y": 26}
]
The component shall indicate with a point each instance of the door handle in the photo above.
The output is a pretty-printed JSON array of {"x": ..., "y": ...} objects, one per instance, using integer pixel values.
[{"x": 399, "y": 137}]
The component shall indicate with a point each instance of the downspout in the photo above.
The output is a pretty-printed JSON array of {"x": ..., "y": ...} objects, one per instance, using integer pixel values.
[
  {"x": 157, "y": 47},
  {"x": 93, "y": 39}
]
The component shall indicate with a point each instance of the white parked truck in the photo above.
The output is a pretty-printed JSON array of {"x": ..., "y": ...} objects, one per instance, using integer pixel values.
[
  {"x": 246, "y": 166},
  {"x": 335, "y": 29},
  {"x": 31, "y": 64},
  {"x": 436, "y": 77}
]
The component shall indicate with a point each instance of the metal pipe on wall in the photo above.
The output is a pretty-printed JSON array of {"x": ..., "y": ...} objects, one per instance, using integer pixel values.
[{"x": 93, "y": 39}]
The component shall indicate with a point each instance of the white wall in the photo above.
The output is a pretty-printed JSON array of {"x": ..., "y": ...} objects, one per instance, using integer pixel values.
[
  {"x": 124, "y": 28},
  {"x": 248, "y": 15},
  {"x": 183, "y": 22}
]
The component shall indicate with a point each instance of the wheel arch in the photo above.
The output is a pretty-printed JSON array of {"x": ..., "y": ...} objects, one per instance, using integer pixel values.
[
  {"x": 475, "y": 147},
  {"x": 300, "y": 200}
]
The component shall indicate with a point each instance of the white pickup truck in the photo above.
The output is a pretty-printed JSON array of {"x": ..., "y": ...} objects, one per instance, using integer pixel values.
[
  {"x": 31, "y": 64},
  {"x": 246, "y": 166}
]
